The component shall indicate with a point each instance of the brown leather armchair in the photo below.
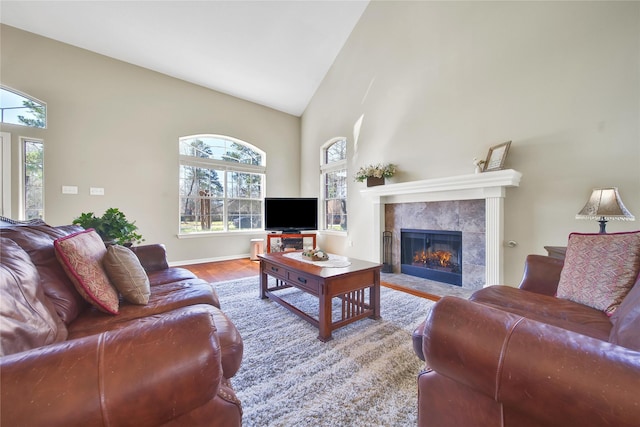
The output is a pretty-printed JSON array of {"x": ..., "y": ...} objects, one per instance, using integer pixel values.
[{"x": 521, "y": 357}]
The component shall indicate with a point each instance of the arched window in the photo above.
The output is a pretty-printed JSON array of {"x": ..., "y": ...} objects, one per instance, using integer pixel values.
[
  {"x": 20, "y": 109},
  {"x": 221, "y": 184},
  {"x": 333, "y": 176}
]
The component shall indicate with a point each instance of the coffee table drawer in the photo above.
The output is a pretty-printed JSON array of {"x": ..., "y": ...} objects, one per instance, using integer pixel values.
[
  {"x": 275, "y": 271},
  {"x": 303, "y": 282}
]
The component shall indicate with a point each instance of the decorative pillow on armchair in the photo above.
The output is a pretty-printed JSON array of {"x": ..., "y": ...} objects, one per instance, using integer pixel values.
[
  {"x": 81, "y": 257},
  {"x": 600, "y": 269},
  {"x": 127, "y": 274}
]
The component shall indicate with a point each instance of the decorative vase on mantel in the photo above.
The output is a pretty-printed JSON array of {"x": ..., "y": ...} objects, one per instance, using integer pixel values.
[{"x": 372, "y": 181}]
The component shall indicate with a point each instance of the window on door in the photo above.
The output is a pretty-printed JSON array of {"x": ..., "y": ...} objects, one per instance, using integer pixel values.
[
  {"x": 5, "y": 175},
  {"x": 32, "y": 188}
]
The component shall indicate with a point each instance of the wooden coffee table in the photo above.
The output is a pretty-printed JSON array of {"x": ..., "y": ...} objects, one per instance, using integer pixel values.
[{"x": 349, "y": 284}]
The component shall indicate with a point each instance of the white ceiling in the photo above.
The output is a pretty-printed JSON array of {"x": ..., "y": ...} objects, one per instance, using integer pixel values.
[{"x": 274, "y": 53}]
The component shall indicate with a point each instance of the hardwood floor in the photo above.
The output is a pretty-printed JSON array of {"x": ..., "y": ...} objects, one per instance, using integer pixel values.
[{"x": 220, "y": 271}]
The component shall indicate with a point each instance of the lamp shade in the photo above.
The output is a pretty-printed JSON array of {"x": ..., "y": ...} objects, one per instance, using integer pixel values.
[{"x": 605, "y": 204}]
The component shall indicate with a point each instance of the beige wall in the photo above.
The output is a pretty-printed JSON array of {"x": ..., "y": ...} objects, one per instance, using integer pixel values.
[
  {"x": 437, "y": 83},
  {"x": 115, "y": 125}
]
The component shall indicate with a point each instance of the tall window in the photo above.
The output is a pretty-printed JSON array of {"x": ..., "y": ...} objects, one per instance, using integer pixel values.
[
  {"x": 333, "y": 170},
  {"x": 19, "y": 109},
  {"x": 32, "y": 179},
  {"x": 221, "y": 184}
]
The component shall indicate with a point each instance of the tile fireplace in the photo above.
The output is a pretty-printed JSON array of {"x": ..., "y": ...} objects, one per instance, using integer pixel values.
[
  {"x": 432, "y": 254},
  {"x": 440, "y": 241}
]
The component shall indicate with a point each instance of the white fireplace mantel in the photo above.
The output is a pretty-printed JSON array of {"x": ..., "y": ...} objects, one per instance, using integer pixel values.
[{"x": 489, "y": 186}]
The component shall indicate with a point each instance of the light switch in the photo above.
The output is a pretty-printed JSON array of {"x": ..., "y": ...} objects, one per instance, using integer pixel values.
[
  {"x": 96, "y": 191},
  {"x": 69, "y": 189}
]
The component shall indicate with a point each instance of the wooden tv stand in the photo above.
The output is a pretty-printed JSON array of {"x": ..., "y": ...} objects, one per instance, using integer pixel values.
[{"x": 290, "y": 242}]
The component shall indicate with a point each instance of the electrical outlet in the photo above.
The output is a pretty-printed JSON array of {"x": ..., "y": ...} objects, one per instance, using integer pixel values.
[
  {"x": 96, "y": 191},
  {"x": 69, "y": 189}
]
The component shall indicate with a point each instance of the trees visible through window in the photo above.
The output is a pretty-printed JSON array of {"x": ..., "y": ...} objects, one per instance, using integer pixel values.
[
  {"x": 334, "y": 184},
  {"x": 20, "y": 109},
  {"x": 33, "y": 178},
  {"x": 221, "y": 184}
]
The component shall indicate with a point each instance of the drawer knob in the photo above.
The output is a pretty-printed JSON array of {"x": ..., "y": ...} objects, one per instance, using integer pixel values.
[{"x": 302, "y": 280}]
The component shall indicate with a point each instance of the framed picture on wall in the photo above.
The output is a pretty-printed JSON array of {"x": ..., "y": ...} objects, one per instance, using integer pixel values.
[{"x": 496, "y": 157}]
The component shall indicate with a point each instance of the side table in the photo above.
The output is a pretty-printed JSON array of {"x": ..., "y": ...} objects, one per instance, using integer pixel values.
[{"x": 557, "y": 252}]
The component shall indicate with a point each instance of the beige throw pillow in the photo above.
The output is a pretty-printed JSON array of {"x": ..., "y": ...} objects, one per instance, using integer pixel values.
[{"x": 127, "y": 274}]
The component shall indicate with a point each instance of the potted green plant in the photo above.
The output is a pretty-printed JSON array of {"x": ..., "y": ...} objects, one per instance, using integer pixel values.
[
  {"x": 375, "y": 174},
  {"x": 112, "y": 226}
]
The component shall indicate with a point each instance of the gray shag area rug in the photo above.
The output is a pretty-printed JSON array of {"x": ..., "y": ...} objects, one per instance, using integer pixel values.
[{"x": 365, "y": 376}]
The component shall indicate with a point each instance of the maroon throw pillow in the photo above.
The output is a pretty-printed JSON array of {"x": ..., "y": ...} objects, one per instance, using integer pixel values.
[
  {"x": 81, "y": 256},
  {"x": 600, "y": 269}
]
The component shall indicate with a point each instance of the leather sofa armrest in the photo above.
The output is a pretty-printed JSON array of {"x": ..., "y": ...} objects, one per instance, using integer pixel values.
[
  {"x": 144, "y": 374},
  {"x": 464, "y": 341},
  {"x": 416, "y": 338},
  {"x": 152, "y": 257},
  {"x": 541, "y": 274},
  {"x": 543, "y": 372}
]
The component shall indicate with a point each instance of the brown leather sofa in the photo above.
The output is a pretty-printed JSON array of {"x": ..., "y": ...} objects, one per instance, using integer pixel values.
[
  {"x": 166, "y": 363},
  {"x": 522, "y": 357}
]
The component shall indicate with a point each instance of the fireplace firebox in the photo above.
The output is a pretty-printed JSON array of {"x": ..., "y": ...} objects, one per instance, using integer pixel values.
[{"x": 432, "y": 254}]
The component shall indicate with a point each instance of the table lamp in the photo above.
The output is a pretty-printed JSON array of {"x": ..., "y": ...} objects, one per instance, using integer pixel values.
[{"x": 603, "y": 205}]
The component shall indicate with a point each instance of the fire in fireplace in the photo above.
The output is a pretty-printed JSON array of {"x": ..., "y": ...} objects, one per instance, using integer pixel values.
[{"x": 432, "y": 254}]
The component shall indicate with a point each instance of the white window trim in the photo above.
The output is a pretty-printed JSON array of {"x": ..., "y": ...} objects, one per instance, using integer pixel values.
[{"x": 221, "y": 164}]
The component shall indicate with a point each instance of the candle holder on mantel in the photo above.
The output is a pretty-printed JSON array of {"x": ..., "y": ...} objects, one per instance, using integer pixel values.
[{"x": 387, "y": 262}]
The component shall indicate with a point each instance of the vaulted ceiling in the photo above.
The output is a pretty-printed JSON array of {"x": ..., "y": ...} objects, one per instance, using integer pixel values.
[{"x": 274, "y": 53}]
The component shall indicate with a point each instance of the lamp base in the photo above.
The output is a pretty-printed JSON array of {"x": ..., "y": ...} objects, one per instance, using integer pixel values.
[{"x": 603, "y": 225}]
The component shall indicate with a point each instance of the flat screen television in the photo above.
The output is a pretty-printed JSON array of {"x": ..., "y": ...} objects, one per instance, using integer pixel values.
[{"x": 290, "y": 214}]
